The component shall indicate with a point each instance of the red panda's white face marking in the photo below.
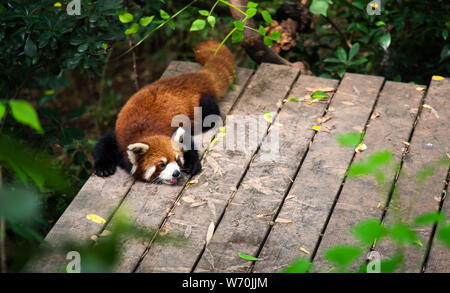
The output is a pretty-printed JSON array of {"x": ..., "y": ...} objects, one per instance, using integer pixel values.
[{"x": 154, "y": 159}]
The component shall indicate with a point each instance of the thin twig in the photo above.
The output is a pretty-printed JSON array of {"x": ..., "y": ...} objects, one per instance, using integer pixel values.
[
  {"x": 347, "y": 42},
  {"x": 133, "y": 53}
]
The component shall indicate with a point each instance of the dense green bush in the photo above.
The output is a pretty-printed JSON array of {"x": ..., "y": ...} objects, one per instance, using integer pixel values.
[{"x": 408, "y": 41}]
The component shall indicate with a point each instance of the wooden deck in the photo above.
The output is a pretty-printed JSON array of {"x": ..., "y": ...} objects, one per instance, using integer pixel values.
[{"x": 269, "y": 209}]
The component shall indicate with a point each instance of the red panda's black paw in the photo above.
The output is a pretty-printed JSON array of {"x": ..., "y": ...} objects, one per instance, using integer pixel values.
[
  {"x": 195, "y": 168},
  {"x": 104, "y": 170}
]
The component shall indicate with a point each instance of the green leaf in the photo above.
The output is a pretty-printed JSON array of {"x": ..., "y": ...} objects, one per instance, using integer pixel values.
[
  {"x": 332, "y": 60},
  {"x": 125, "y": 17},
  {"x": 390, "y": 265},
  {"x": 204, "y": 12},
  {"x": 358, "y": 62},
  {"x": 211, "y": 20},
  {"x": 239, "y": 25},
  {"x": 267, "y": 41},
  {"x": 368, "y": 231},
  {"x": 385, "y": 41},
  {"x": 164, "y": 15},
  {"x": 134, "y": 27},
  {"x": 275, "y": 36},
  {"x": 262, "y": 30},
  {"x": 341, "y": 54},
  {"x": 104, "y": 46},
  {"x": 445, "y": 34},
  {"x": 429, "y": 218},
  {"x": 403, "y": 234},
  {"x": 294, "y": 100},
  {"x": 251, "y": 12},
  {"x": 25, "y": 113},
  {"x": 301, "y": 265},
  {"x": 2, "y": 110},
  {"x": 30, "y": 48},
  {"x": 380, "y": 158},
  {"x": 362, "y": 28},
  {"x": 198, "y": 25},
  {"x": 358, "y": 5},
  {"x": 319, "y": 7},
  {"x": 18, "y": 203},
  {"x": 145, "y": 21},
  {"x": 266, "y": 16},
  {"x": 251, "y": 4},
  {"x": 237, "y": 36},
  {"x": 444, "y": 234},
  {"x": 83, "y": 47},
  {"x": 319, "y": 95},
  {"x": 351, "y": 139},
  {"x": 171, "y": 24},
  {"x": 380, "y": 23},
  {"x": 353, "y": 51},
  {"x": 247, "y": 257},
  {"x": 342, "y": 255}
]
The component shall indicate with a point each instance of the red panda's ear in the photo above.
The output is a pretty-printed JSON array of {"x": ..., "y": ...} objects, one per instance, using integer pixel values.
[
  {"x": 134, "y": 151},
  {"x": 138, "y": 148},
  {"x": 178, "y": 135}
]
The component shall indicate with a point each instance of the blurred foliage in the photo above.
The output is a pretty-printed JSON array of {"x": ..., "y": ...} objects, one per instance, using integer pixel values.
[
  {"x": 407, "y": 41},
  {"x": 401, "y": 232}
]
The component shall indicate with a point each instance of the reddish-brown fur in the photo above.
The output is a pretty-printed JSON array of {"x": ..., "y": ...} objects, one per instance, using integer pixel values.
[{"x": 147, "y": 115}]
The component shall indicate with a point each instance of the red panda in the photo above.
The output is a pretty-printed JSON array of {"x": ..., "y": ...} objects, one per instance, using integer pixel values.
[{"x": 144, "y": 142}]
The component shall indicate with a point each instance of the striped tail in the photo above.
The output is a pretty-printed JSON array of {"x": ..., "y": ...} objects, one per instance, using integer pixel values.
[{"x": 220, "y": 66}]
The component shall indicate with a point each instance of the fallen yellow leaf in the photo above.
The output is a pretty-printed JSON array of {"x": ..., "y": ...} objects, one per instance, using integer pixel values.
[
  {"x": 283, "y": 220},
  {"x": 57, "y": 4},
  {"x": 193, "y": 181},
  {"x": 437, "y": 77},
  {"x": 360, "y": 148},
  {"x": 317, "y": 127},
  {"x": 268, "y": 118},
  {"x": 420, "y": 89},
  {"x": 213, "y": 142},
  {"x": 96, "y": 218},
  {"x": 304, "y": 250}
]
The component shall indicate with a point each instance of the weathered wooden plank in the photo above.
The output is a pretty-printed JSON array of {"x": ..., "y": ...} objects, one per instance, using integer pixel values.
[
  {"x": 320, "y": 176},
  {"x": 222, "y": 173},
  {"x": 359, "y": 200},
  {"x": 439, "y": 258},
  {"x": 430, "y": 141},
  {"x": 247, "y": 218},
  {"x": 100, "y": 196},
  {"x": 148, "y": 205}
]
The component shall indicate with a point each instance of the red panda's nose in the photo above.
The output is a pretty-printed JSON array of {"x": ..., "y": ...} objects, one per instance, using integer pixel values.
[{"x": 176, "y": 173}]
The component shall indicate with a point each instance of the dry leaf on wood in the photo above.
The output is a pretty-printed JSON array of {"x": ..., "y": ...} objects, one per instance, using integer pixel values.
[
  {"x": 283, "y": 220},
  {"x": 210, "y": 232}
]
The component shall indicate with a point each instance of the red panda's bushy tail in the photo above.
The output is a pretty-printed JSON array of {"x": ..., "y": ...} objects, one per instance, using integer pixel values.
[{"x": 221, "y": 66}]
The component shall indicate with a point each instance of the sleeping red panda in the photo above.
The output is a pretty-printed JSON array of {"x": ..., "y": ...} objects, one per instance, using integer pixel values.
[{"x": 144, "y": 142}]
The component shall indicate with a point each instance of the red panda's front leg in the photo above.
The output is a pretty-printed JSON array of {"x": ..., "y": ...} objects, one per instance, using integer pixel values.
[
  {"x": 107, "y": 156},
  {"x": 192, "y": 164}
]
